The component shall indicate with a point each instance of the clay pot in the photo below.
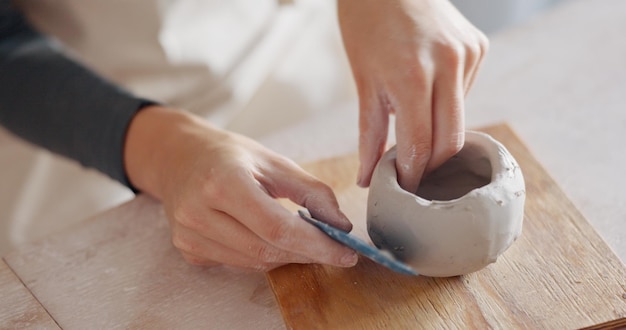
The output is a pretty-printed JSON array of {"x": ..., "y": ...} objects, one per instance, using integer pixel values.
[{"x": 463, "y": 216}]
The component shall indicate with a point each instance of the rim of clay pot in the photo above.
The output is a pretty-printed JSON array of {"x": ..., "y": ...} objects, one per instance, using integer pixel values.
[{"x": 499, "y": 158}]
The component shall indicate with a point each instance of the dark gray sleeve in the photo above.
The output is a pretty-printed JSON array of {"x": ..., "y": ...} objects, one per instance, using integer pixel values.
[{"x": 52, "y": 101}]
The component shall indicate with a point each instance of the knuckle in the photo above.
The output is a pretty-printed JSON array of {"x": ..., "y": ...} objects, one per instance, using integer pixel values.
[
  {"x": 184, "y": 216},
  {"x": 193, "y": 260},
  {"x": 284, "y": 163},
  {"x": 266, "y": 254},
  {"x": 321, "y": 189},
  {"x": 472, "y": 52},
  {"x": 215, "y": 191},
  {"x": 420, "y": 153},
  {"x": 421, "y": 150},
  {"x": 451, "y": 53},
  {"x": 280, "y": 233},
  {"x": 181, "y": 243},
  {"x": 483, "y": 42},
  {"x": 320, "y": 196},
  {"x": 263, "y": 267},
  {"x": 179, "y": 214}
]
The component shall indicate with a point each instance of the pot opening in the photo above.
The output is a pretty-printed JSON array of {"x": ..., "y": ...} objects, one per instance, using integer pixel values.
[{"x": 468, "y": 170}]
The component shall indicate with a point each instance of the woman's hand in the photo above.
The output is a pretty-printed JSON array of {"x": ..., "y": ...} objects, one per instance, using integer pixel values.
[
  {"x": 218, "y": 191},
  {"x": 417, "y": 59}
]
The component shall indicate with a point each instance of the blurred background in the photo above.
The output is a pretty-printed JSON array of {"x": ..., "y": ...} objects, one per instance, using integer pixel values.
[
  {"x": 492, "y": 15},
  {"x": 258, "y": 67}
]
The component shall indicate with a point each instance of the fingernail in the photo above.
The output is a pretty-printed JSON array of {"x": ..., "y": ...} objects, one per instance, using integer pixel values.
[{"x": 350, "y": 259}]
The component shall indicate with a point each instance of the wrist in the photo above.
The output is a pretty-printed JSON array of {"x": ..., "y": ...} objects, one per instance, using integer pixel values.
[{"x": 155, "y": 142}]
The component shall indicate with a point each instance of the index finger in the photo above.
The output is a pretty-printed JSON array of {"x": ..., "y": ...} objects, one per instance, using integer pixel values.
[
  {"x": 276, "y": 225},
  {"x": 413, "y": 132},
  {"x": 306, "y": 190}
]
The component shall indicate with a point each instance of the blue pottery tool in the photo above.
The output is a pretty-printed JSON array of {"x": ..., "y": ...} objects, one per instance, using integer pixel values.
[{"x": 357, "y": 244}]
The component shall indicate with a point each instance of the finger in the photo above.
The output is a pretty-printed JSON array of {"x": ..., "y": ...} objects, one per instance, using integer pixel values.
[
  {"x": 198, "y": 261},
  {"x": 472, "y": 68},
  {"x": 201, "y": 261},
  {"x": 448, "y": 117},
  {"x": 373, "y": 128},
  {"x": 221, "y": 228},
  {"x": 413, "y": 130},
  {"x": 277, "y": 226},
  {"x": 472, "y": 54},
  {"x": 198, "y": 250},
  {"x": 291, "y": 181}
]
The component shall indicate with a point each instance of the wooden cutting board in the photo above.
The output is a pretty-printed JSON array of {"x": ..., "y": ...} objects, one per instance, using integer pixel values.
[
  {"x": 19, "y": 309},
  {"x": 558, "y": 275}
]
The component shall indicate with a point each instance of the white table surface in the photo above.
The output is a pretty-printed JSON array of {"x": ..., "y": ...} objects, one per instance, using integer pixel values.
[{"x": 559, "y": 81}]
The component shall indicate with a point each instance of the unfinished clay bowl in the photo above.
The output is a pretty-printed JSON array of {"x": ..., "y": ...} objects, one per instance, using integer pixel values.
[{"x": 464, "y": 215}]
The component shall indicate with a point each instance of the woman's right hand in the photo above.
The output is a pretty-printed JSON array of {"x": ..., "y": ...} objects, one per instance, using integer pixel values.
[{"x": 219, "y": 191}]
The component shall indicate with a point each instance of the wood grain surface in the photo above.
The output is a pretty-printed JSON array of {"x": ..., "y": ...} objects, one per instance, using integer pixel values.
[
  {"x": 558, "y": 275},
  {"x": 119, "y": 270},
  {"x": 18, "y": 308}
]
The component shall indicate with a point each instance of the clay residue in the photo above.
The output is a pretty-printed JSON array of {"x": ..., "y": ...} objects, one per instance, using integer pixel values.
[{"x": 458, "y": 176}]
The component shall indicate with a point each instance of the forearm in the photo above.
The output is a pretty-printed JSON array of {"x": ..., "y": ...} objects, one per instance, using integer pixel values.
[{"x": 52, "y": 101}]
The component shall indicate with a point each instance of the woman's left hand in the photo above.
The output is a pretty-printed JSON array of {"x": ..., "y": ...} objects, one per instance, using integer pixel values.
[{"x": 417, "y": 59}]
